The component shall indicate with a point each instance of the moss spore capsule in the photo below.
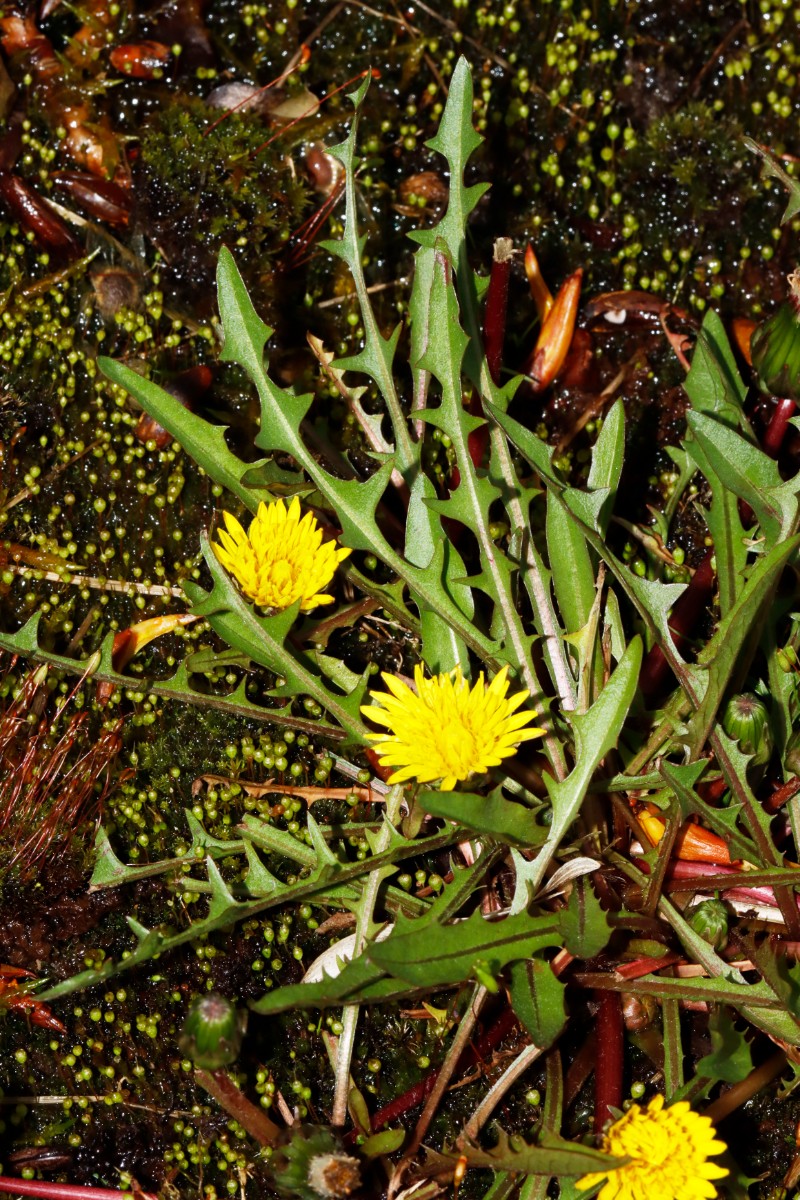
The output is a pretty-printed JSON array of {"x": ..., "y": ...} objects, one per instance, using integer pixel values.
[{"x": 212, "y": 1032}]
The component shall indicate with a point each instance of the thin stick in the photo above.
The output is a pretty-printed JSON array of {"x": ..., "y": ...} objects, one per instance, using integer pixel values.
[
  {"x": 343, "y": 297},
  {"x": 26, "y": 492},
  {"x": 497, "y": 1091},
  {"x": 10, "y": 1101},
  {"x": 394, "y": 800},
  {"x": 311, "y": 794},
  {"x": 64, "y": 1191},
  {"x": 96, "y": 581},
  {"x": 463, "y": 1035},
  {"x": 739, "y": 1093},
  {"x": 229, "y": 1097}
]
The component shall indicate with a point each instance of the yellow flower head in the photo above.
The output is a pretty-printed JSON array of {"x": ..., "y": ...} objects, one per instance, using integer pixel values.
[
  {"x": 281, "y": 559},
  {"x": 447, "y": 730},
  {"x": 668, "y": 1150}
]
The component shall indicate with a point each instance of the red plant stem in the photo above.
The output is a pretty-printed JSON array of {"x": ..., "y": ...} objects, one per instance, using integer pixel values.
[
  {"x": 782, "y": 795},
  {"x": 65, "y": 1191},
  {"x": 779, "y": 423},
  {"x": 714, "y": 791},
  {"x": 610, "y": 1031},
  {"x": 645, "y": 966},
  {"x": 694, "y": 872},
  {"x": 494, "y": 322},
  {"x": 687, "y": 611},
  {"x": 505, "y": 1022},
  {"x": 494, "y": 334}
]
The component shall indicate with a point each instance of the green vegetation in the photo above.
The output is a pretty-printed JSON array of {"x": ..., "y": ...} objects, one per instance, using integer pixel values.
[{"x": 215, "y": 788}]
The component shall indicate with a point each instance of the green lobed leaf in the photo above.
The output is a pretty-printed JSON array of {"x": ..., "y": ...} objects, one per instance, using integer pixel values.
[
  {"x": 553, "y": 1156},
  {"x": 653, "y": 600},
  {"x": 354, "y": 501},
  {"x": 455, "y": 139},
  {"x": 470, "y": 503},
  {"x": 424, "y": 957},
  {"x": 772, "y": 169},
  {"x": 673, "y": 1046},
  {"x": 753, "y": 999},
  {"x": 713, "y": 382},
  {"x": 750, "y": 474},
  {"x": 493, "y": 815},
  {"x": 537, "y": 998},
  {"x": 177, "y": 687},
  {"x": 583, "y": 923},
  {"x": 377, "y": 356},
  {"x": 358, "y": 981},
  {"x": 717, "y": 390},
  {"x": 361, "y": 979},
  {"x": 681, "y": 779},
  {"x": 264, "y": 639},
  {"x": 596, "y": 732},
  {"x": 731, "y": 1059},
  {"x": 203, "y": 441},
  {"x": 725, "y": 652},
  {"x": 608, "y": 453},
  {"x": 571, "y": 566},
  {"x": 427, "y": 547}
]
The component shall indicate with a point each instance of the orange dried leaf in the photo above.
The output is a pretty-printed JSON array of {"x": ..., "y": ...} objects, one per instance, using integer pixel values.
[
  {"x": 555, "y": 338},
  {"x": 694, "y": 842},
  {"x": 130, "y": 641},
  {"x": 542, "y": 296},
  {"x": 742, "y": 330}
]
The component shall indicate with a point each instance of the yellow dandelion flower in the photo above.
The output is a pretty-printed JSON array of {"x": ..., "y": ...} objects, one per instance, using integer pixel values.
[
  {"x": 447, "y": 730},
  {"x": 668, "y": 1150},
  {"x": 281, "y": 558}
]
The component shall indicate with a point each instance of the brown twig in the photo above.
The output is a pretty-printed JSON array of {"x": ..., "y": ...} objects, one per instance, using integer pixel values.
[
  {"x": 741, "y": 1092},
  {"x": 252, "y": 1119},
  {"x": 310, "y": 794},
  {"x": 479, "y": 1050},
  {"x": 448, "y": 1068}
]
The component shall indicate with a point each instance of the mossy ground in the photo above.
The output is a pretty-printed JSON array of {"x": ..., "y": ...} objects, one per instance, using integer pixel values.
[{"x": 612, "y": 141}]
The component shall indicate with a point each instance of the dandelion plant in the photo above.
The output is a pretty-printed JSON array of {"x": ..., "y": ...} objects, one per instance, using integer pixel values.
[{"x": 522, "y": 737}]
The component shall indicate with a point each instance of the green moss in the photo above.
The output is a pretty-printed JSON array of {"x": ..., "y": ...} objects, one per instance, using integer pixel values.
[{"x": 210, "y": 178}]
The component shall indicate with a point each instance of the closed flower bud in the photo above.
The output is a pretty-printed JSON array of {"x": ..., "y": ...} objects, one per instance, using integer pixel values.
[
  {"x": 212, "y": 1032},
  {"x": 775, "y": 347},
  {"x": 710, "y": 919},
  {"x": 311, "y": 1165},
  {"x": 746, "y": 720}
]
